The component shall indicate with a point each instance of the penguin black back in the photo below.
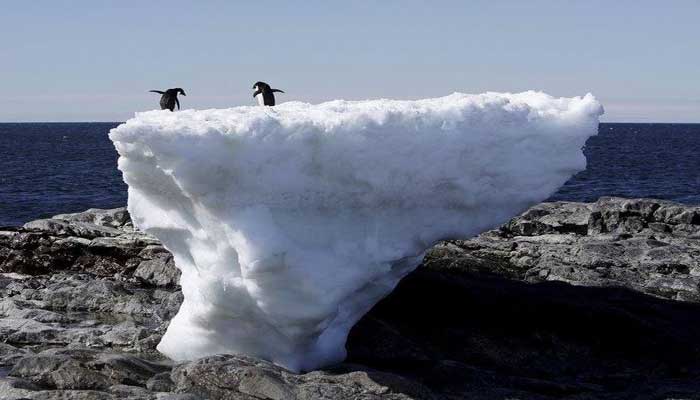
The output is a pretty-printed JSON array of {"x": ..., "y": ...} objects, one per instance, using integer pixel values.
[
  {"x": 168, "y": 100},
  {"x": 265, "y": 94}
]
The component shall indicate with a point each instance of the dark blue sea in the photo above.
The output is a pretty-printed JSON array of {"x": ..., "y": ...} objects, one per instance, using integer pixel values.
[{"x": 52, "y": 168}]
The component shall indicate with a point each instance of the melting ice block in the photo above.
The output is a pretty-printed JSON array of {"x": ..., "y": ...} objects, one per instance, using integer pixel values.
[{"x": 290, "y": 223}]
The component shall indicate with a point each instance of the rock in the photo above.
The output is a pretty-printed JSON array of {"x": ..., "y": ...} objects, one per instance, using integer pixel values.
[
  {"x": 159, "y": 271},
  {"x": 127, "y": 369},
  {"x": 76, "y": 310},
  {"x": 130, "y": 392},
  {"x": 642, "y": 244},
  {"x": 65, "y": 228},
  {"x": 51, "y": 371},
  {"x": 15, "y": 389},
  {"x": 229, "y": 376},
  {"x": 160, "y": 383},
  {"x": 10, "y": 354},
  {"x": 568, "y": 300},
  {"x": 179, "y": 396},
  {"x": 115, "y": 217},
  {"x": 74, "y": 395},
  {"x": 101, "y": 242},
  {"x": 83, "y": 369}
]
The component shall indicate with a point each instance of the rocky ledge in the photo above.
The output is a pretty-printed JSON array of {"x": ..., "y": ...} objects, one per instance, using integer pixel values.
[{"x": 567, "y": 300}]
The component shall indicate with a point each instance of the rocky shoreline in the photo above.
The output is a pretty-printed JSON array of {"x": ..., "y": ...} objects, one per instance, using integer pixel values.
[{"x": 567, "y": 300}]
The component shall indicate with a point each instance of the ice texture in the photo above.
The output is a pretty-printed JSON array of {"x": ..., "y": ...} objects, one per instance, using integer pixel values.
[{"x": 290, "y": 223}]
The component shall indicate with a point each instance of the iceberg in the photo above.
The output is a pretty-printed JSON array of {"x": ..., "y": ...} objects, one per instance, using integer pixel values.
[{"x": 290, "y": 223}]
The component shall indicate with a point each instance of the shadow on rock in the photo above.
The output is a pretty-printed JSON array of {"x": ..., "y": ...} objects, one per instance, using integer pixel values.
[{"x": 480, "y": 335}]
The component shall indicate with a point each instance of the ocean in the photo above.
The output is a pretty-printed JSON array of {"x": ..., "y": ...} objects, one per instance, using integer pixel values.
[{"x": 53, "y": 168}]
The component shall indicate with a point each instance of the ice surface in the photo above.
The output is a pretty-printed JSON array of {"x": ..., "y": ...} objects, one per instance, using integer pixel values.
[{"x": 290, "y": 223}]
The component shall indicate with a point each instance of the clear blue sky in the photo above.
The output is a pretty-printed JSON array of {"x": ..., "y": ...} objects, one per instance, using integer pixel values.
[{"x": 95, "y": 60}]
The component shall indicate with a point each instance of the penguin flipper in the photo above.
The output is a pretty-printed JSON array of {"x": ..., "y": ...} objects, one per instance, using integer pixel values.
[
  {"x": 178, "y": 103},
  {"x": 277, "y": 90},
  {"x": 156, "y": 91},
  {"x": 257, "y": 92}
]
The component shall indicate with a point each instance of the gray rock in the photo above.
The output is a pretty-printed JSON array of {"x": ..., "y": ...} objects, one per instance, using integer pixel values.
[
  {"x": 80, "y": 310},
  {"x": 229, "y": 376},
  {"x": 131, "y": 392},
  {"x": 115, "y": 217},
  {"x": 646, "y": 245},
  {"x": 10, "y": 354},
  {"x": 64, "y": 228},
  {"x": 101, "y": 242},
  {"x": 160, "y": 383},
  {"x": 72, "y": 395},
  {"x": 51, "y": 371},
  {"x": 177, "y": 396},
  {"x": 568, "y": 300},
  {"x": 159, "y": 271},
  {"x": 83, "y": 369},
  {"x": 15, "y": 389}
]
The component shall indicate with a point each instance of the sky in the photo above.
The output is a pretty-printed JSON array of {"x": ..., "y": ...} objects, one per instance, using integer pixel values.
[{"x": 96, "y": 60}]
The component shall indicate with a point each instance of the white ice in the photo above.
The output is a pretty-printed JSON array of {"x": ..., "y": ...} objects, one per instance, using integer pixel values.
[{"x": 290, "y": 223}]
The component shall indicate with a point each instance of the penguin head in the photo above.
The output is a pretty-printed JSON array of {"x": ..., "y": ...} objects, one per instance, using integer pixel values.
[
  {"x": 260, "y": 86},
  {"x": 180, "y": 91}
]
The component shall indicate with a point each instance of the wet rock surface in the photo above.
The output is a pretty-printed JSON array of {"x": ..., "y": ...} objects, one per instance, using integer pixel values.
[{"x": 567, "y": 300}]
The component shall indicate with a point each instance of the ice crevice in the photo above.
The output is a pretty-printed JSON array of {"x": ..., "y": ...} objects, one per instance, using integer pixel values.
[{"x": 290, "y": 223}]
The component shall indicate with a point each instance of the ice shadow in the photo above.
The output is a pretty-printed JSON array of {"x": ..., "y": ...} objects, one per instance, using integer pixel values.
[{"x": 473, "y": 333}]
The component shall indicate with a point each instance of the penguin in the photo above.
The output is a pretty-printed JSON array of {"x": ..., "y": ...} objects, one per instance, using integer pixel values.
[
  {"x": 265, "y": 94},
  {"x": 169, "y": 98}
]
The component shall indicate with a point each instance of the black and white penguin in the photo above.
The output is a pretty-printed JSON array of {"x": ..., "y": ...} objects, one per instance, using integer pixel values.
[
  {"x": 265, "y": 94},
  {"x": 168, "y": 100}
]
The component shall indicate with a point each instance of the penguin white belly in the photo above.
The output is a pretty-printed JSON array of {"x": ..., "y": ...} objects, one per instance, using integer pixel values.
[{"x": 260, "y": 99}]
